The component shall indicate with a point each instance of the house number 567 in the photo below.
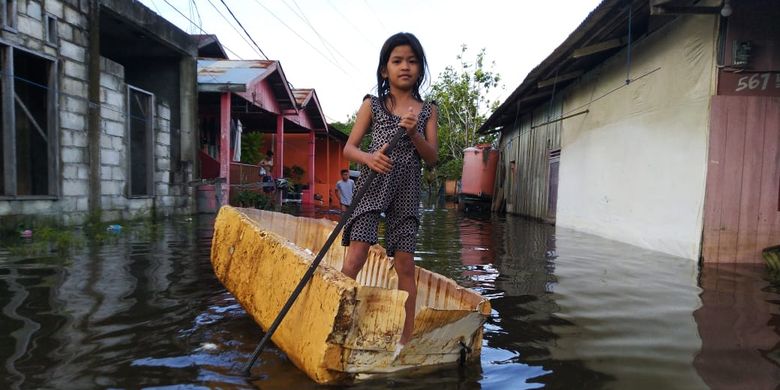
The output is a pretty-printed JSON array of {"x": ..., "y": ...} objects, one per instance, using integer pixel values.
[{"x": 754, "y": 81}]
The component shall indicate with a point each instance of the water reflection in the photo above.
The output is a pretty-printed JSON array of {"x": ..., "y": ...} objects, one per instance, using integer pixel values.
[
  {"x": 570, "y": 310},
  {"x": 739, "y": 323}
]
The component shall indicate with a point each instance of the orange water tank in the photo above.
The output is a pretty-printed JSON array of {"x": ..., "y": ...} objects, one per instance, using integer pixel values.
[{"x": 479, "y": 171}]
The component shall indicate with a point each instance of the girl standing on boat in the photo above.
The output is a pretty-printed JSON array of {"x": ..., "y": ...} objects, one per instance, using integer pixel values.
[{"x": 396, "y": 189}]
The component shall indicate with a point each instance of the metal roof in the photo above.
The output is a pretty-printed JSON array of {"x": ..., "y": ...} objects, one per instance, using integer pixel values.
[
  {"x": 218, "y": 75},
  {"x": 306, "y": 98},
  {"x": 209, "y": 46},
  {"x": 302, "y": 95},
  {"x": 232, "y": 74},
  {"x": 598, "y": 37}
]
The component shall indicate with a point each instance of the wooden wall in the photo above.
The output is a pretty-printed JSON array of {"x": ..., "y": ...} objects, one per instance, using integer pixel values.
[
  {"x": 523, "y": 186},
  {"x": 742, "y": 203}
]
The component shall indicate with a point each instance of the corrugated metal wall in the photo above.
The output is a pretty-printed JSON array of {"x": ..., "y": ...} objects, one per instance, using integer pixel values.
[{"x": 525, "y": 183}]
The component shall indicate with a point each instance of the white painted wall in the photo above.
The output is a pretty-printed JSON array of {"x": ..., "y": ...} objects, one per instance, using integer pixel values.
[{"x": 633, "y": 169}]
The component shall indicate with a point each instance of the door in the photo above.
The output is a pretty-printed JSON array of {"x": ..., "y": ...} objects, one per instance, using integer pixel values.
[{"x": 552, "y": 194}]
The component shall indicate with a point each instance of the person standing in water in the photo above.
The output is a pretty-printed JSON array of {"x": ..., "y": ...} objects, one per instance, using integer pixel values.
[
  {"x": 395, "y": 191},
  {"x": 344, "y": 190}
]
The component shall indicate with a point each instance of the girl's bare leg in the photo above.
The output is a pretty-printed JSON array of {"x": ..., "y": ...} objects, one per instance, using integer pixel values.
[
  {"x": 356, "y": 257},
  {"x": 404, "y": 266}
]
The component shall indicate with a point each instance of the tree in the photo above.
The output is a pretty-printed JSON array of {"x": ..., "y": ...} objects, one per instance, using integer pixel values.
[
  {"x": 251, "y": 143},
  {"x": 461, "y": 95},
  {"x": 346, "y": 127}
]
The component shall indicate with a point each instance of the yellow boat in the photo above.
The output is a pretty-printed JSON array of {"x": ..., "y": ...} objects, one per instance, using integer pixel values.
[{"x": 340, "y": 329}]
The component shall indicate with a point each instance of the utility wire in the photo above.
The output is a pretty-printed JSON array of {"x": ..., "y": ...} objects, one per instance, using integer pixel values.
[
  {"x": 324, "y": 41},
  {"x": 378, "y": 19},
  {"x": 242, "y": 27},
  {"x": 155, "y": 6},
  {"x": 299, "y": 13},
  {"x": 360, "y": 33},
  {"x": 229, "y": 23},
  {"x": 197, "y": 11},
  {"x": 302, "y": 38},
  {"x": 199, "y": 28}
]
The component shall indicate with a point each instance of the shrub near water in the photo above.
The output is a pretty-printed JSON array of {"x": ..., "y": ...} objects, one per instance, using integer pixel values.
[{"x": 257, "y": 200}]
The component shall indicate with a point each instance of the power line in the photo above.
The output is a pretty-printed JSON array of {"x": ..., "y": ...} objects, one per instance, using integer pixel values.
[
  {"x": 302, "y": 38},
  {"x": 301, "y": 16},
  {"x": 227, "y": 21},
  {"x": 199, "y": 28},
  {"x": 324, "y": 41},
  {"x": 242, "y": 27},
  {"x": 360, "y": 33},
  {"x": 378, "y": 19},
  {"x": 197, "y": 11},
  {"x": 155, "y": 7}
]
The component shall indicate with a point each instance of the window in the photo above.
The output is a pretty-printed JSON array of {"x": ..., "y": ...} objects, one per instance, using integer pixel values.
[
  {"x": 8, "y": 14},
  {"x": 140, "y": 115},
  {"x": 51, "y": 29},
  {"x": 29, "y": 133}
]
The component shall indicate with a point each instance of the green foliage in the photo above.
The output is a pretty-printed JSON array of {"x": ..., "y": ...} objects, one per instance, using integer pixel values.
[
  {"x": 48, "y": 236},
  {"x": 251, "y": 143},
  {"x": 257, "y": 200},
  {"x": 451, "y": 169},
  {"x": 461, "y": 93},
  {"x": 295, "y": 176},
  {"x": 346, "y": 128}
]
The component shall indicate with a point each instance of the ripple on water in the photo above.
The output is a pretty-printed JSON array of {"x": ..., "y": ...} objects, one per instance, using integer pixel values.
[{"x": 569, "y": 310}]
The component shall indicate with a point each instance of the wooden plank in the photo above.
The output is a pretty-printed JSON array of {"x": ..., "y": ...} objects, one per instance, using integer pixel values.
[
  {"x": 558, "y": 79},
  {"x": 768, "y": 202},
  {"x": 751, "y": 181},
  {"x": 732, "y": 190},
  {"x": 713, "y": 195},
  {"x": 598, "y": 47},
  {"x": 773, "y": 123}
]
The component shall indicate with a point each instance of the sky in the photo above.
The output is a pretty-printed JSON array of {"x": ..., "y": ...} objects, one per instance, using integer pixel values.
[{"x": 333, "y": 45}]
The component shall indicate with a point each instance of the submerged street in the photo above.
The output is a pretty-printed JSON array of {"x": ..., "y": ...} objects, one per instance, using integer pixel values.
[{"x": 570, "y": 310}]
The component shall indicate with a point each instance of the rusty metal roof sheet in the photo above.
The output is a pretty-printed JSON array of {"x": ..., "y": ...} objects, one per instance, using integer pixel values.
[
  {"x": 306, "y": 99},
  {"x": 302, "y": 96},
  {"x": 233, "y": 72}
]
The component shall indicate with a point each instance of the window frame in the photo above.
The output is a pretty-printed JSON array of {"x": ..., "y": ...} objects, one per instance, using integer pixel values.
[
  {"x": 150, "y": 139},
  {"x": 50, "y": 22},
  {"x": 9, "y": 174},
  {"x": 9, "y": 10}
]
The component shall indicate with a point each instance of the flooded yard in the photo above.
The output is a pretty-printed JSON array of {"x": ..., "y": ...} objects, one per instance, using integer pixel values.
[{"x": 570, "y": 310}]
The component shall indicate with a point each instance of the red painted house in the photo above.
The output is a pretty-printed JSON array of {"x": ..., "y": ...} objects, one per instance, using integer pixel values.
[{"x": 243, "y": 96}]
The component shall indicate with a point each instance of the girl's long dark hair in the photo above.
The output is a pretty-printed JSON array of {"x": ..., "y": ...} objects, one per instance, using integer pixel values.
[{"x": 400, "y": 39}]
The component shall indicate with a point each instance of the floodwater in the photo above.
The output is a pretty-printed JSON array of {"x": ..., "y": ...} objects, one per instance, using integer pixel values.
[{"x": 570, "y": 311}]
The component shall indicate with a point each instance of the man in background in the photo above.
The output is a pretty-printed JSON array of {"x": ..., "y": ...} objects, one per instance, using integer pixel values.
[{"x": 345, "y": 189}]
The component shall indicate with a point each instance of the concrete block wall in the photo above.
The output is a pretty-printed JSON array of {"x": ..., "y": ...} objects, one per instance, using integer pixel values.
[
  {"x": 164, "y": 193},
  {"x": 114, "y": 159},
  {"x": 71, "y": 49},
  {"x": 113, "y": 156},
  {"x": 68, "y": 54}
]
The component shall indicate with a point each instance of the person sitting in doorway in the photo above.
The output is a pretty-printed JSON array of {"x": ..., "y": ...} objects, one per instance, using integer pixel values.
[{"x": 266, "y": 165}]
